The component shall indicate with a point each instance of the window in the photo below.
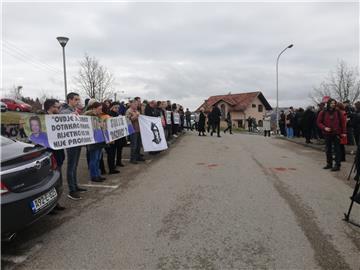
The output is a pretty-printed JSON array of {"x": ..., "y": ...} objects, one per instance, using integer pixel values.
[
  {"x": 260, "y": 108},
  {"x": 254, "y": 105}
]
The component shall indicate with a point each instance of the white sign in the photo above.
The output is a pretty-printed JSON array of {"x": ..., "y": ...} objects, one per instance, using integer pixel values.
[
  {"x": 152, "y": 133},
  {"x": 176, "y": 118},
  {"x": 168, "y": 117},
  {"x": 116, "y": 128},
  {"x": 69, "y": 130}
]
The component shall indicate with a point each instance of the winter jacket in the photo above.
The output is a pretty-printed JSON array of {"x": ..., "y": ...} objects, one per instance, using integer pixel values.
[
  {"x": 335, "y": 120},
  {"x": 215, "y": 115},
  {"x": 66, "y": 109}
]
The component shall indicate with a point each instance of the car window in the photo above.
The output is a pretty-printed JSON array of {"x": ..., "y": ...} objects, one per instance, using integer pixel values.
[
  {"x": 5, "y": 141},
  {"x": 19, "y": 101}
]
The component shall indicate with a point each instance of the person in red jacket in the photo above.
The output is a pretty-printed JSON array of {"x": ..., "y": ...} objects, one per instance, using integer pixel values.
[{"x": 333, "y": 125}]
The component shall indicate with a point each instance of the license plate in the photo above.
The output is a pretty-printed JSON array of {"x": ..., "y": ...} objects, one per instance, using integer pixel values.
[{"x": 43, "y": 200}]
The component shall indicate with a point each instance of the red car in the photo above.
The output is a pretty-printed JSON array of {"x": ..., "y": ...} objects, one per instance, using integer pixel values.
[{"x": 16, "y": 105}]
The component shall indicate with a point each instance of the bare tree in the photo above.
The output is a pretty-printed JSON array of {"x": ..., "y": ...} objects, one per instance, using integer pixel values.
[
  {"x": 343, "y": 84},
  {"x": 94, "y": 79}
]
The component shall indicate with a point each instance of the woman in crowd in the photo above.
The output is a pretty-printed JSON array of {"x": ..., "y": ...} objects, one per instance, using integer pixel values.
[
  {"x": 175, "y": 127},
  {"x": 120, "y": 143},
  {"x": 111, "y": 147},
  {"x": 307, "y": 124},
  {"x": 201, "y": 124},
  {"x": 182, "y": 118},
  {"x": 132, "y": 115},
  {"x": 95, "y": 149},
  {"x": 290, "y": 123},
  {"x": 228, "y": 122}
]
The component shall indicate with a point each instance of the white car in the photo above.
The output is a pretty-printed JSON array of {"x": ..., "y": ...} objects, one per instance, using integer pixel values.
[{"x": 4, "y": 107}]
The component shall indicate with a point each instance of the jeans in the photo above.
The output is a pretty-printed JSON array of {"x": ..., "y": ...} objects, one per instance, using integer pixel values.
[
  {"x": 94, "y": 162},
  {"x": 73, "y": 156},
  {"x": 330, "y": 142},
  {"x": 188, "y": 124},
  {"x": 135, "y": 145},
  {"x": 290, "y": 132}
]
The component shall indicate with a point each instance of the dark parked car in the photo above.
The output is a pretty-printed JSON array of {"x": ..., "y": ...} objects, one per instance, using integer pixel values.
[{"x": 30, "y": 185}]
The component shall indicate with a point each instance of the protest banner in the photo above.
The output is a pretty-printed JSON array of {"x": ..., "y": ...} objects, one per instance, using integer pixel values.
[
  {"x": 168, "y": 117},
  {"x": 59, "y": 131},
  {"x": 176, "y": 118},
  {"x": 116, "y": 128},
  {"x": 69, "y": 130},
  {"x": 35, "y": 128},
  {"x": 152, "y": 133}
]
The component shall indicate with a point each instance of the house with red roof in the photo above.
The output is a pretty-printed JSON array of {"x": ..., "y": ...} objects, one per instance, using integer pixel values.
[{"x": 241, "y": 107}]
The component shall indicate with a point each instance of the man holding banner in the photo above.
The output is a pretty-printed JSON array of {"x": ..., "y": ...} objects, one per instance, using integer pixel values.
[
  {"x": 132, "y": 115},
  {"x": 52, "y": 106},
  {"x": 73, "y": 153}
]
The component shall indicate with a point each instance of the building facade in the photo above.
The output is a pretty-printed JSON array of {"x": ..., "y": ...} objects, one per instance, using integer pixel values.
[{"x": 241, "y": 107}]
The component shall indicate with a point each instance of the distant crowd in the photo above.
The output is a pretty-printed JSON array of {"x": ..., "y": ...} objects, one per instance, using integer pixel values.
[{"x": 336, "y": 123}]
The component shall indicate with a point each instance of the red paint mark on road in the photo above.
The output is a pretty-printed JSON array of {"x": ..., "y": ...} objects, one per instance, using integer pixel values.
[
  {"x": 280, "y": 169},
  {"x": 212, "y": 165}
]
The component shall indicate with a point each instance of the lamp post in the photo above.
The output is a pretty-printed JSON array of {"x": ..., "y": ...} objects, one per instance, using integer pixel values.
[
  {"x": 277, "y": 87},
  {"x": 63, "y": 41}
]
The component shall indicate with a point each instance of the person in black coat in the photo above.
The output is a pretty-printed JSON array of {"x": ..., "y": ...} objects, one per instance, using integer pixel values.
[
  {"x": 120, "y": 143},
  {"x": 308, "y": 119},
  {"x": 229, "y": 123},
  {"x": 355, "y": 122},
  {"x": 209, "y": 121},
  {"x": 215, "y": 115},
  {"x": 201, "y": 124},
  {"x": 51, "y": 106}
]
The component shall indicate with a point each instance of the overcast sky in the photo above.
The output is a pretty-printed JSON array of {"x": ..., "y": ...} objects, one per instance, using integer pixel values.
[{"x": 181, "y": 51}]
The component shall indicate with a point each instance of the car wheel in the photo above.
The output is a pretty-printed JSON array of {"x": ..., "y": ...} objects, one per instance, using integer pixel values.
[{"x": 18, "y": 109}]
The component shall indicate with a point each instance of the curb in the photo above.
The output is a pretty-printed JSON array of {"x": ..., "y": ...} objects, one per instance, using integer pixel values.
[{"x": 313, "y": 146}]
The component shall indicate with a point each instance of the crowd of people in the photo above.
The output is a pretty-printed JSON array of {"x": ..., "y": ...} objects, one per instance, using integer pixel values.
[
  {"x": 335, "y": 123},
  {"x": 95, "y": 152},
  {"x": 210, "y": 122}
]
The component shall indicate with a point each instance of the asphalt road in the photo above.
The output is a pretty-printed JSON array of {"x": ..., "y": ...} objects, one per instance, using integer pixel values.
[{"x": 236, "y": 202}]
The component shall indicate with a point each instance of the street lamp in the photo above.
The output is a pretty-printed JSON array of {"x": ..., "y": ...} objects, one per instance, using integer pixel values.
[
  {"x": 63, "y": 41},
  {"x": 277, "y": 87}
]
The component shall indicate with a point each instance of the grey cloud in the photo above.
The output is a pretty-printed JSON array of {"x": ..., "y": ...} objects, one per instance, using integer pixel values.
[{"x": 186, "y": 51}]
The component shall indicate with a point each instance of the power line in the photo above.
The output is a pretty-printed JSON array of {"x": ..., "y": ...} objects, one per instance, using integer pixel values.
[
  {"x": 12, "y": 46},
  {"x": 28, "y": 55},
  {"x": 34, "y": 64}
]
